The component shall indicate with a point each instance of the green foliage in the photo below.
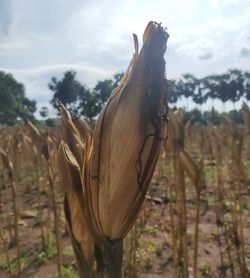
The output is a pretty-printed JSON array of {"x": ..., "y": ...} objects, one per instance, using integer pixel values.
[
  {"x": 46, "y": 255},
  {"x": 229, "y": 86},
  {"x": 89, "y": 104},
  {"x": 44, "y": 112},
  {"x": 66, "y": 90},
  {"x": 50, "y": 122},
  {"x": 213, "y": 116},
  {"x": 196, "y": 115},
  {"x": 24, "y": 256},
  {"x": 49, "y": 253},
  {"x": 205, "y": 270},
  {"x": 69, "y": 272},
  {"x": 14, "y": 105},
  {"x": 236, "y": 116},
  {"x": 80, "y": 99},
  {"x": 103, "y": 89}
]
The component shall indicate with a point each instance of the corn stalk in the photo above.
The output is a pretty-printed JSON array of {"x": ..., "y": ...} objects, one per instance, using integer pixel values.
[
  {"x": 106, "y": 172},
  {"x": 9, "y": 169},
  {"x": 42, "y": 143}
]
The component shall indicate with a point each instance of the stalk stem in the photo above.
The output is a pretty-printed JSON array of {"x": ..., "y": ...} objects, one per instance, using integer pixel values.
[{"x": 109, "y": 257}]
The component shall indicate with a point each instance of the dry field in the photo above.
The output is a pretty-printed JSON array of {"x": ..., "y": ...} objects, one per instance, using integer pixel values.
[{"x": 195, "y": 218}]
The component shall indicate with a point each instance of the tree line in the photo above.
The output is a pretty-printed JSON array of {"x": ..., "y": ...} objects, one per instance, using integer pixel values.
[
  {"x": 80, "y": 99},
  {"x": 232, "y": 86},
  {"x": 14, "y": 105}
]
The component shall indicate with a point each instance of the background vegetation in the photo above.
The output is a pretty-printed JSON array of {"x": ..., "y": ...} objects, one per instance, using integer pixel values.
[{"x": 231, "y": 86}]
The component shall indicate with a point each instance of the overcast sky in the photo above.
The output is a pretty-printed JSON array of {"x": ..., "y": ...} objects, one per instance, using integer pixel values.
[{"x": 42, "y": 38}]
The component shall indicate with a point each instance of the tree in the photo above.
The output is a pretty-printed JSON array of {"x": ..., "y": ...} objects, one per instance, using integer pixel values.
[
  {"x": 89, "y": 104},
  {"x": 50, "y": 122},
  {"x": 44, "y": 112},
  {"x": 247, "y": 85},
  {"x": 117, "y": 78},
  {"x": 196, "y": 115},
  {"x": 92, "y": 101},
  {"x": 66, "y": 90},
  {"x": 236, "y": 116},
  {"x": 236, "y": 85},
  {"x": 14, "y": 105},
  {"x": 189, "y": 87},
  {"x": 104, "y": 88},
  {"x": 210, "y": 87},
  {"x": 77, "y": 97},
  {"x": 212, "y": 116},
  {"x": 174, "y": 88}
]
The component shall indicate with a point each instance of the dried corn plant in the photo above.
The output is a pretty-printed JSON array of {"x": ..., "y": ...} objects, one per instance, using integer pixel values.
[
  {"x": 177, "y": 132},
  {"x": 236, "y": 179},
  {"x": 246, "y": 112},
  {"x": 178, "y": 226},
  {"x": 183, "y": 164},
  {"x": 230, "y": 179},
  {"x": 42, "y": 143},
  {"x": 106, "y": 172},
  {"x": 8, "y": 165}
]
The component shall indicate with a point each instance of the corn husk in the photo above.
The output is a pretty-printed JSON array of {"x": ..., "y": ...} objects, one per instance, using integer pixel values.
[
  {"x": 126, "y": 141},
  {"x": 189, "y": 165},
  {"x": 177, "y": 130},
  {"x": 72, "y": 136},
  {"x": 74, "y": 204}
]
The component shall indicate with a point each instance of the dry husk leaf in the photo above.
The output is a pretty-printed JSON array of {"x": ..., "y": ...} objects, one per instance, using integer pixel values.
[
  {"x": 74, "y": 202},
  {"x": 39, "y": 140},
  {"x": 126, "y": 141},
  {"x": 72, "y": 136}
]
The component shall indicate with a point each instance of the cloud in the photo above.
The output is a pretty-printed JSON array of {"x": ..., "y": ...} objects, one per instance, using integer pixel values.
[
  {"x": 5, "y": 17},
  {"x": 206, "y": 56},
  {"x": 39, "y": 39},
  {"x": 245, "y": 52}
]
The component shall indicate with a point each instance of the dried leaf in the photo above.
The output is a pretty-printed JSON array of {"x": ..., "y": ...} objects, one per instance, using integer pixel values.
[{"x": 127, "y": 140}]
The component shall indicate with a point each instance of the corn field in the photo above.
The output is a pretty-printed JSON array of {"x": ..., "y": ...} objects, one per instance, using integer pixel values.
[
  {"x": 195, "y": 220},
  {"x": 139, "y": 195}
]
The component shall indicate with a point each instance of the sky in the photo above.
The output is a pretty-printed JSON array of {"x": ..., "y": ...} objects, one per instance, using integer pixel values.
[{"x": 41, "y": 39}]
